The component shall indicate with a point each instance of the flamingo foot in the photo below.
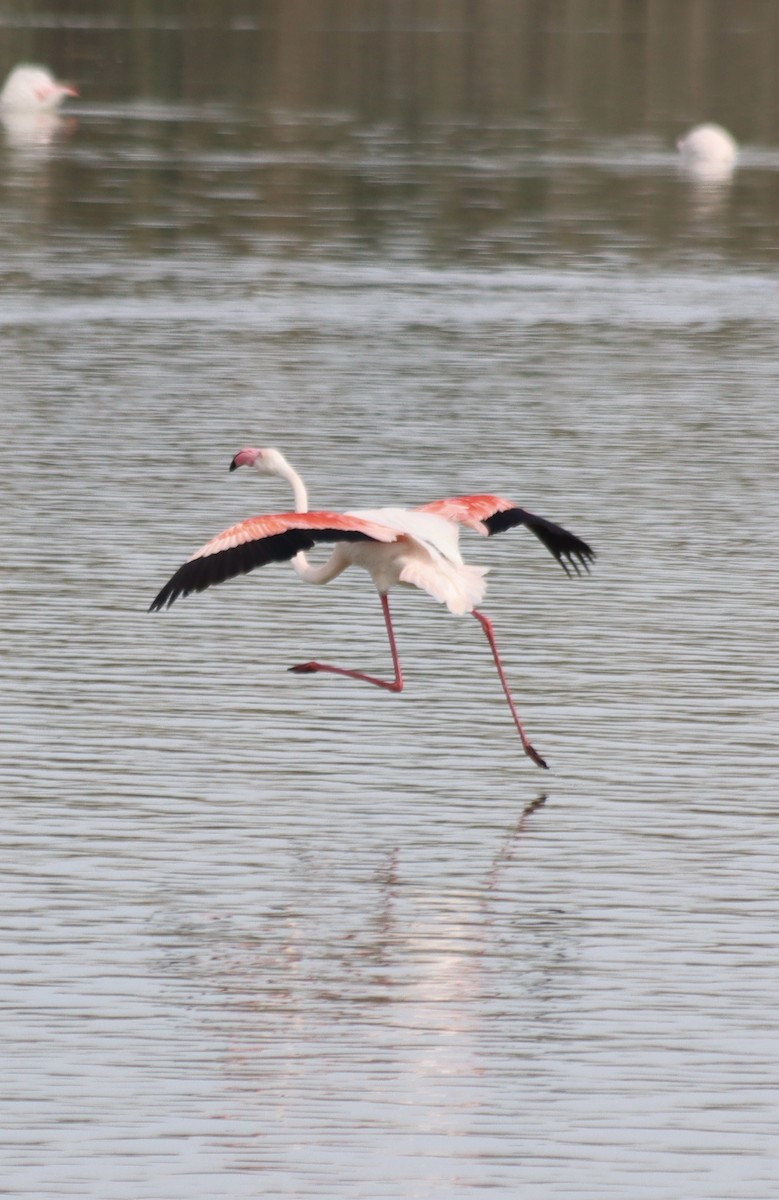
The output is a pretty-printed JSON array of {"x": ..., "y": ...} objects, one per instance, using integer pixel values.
[{"x": 532, "y": 753}]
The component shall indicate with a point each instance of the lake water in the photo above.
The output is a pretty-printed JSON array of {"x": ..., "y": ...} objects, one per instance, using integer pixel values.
[{"x": 265, "y": 934}]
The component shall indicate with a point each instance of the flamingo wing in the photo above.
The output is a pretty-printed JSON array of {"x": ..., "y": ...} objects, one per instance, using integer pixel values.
[
  {"x": 493, "y": 514},
  {"x": 260, "y": 540}
]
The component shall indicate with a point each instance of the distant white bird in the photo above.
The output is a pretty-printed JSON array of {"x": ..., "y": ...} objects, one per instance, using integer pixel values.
[
  {"x": 708, "y": 152},
  {"x": 33, "y": 89},
  {"x": 417, "y": 547}
]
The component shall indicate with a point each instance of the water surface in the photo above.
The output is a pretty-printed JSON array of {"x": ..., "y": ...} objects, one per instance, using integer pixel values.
[{"x": 268, "y": 934}]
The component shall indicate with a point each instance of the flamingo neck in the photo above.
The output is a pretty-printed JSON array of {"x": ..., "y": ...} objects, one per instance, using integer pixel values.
[
  {"x": 296, "y": 483},
  {"x": 303, "y": 568}
]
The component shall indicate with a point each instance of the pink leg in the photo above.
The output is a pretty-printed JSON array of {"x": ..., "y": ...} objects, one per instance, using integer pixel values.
[
  {"x": 486, "y": 625},
  {"x": 395, "y": 685}
]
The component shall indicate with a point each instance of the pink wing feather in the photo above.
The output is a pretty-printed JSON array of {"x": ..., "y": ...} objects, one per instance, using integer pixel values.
[
  {"x": 469, "y": 510},
  {"x": 256, "y": 541},
  {"x": 256, "y": 529}
]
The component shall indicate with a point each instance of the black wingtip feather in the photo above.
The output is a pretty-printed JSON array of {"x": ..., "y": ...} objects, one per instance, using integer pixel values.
[
  {"x": 197, "y": 574},
  {"x": 569, "y": 550}
]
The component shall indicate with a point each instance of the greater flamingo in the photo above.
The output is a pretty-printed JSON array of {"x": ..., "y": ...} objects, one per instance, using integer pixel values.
[
  {"x": 33, "y": 89},
  {"x": 417, "y": 547},
  {"x": 708, "y": 152}
]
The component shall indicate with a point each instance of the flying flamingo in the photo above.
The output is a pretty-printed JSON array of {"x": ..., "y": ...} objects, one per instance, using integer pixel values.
[{"x": 417, "y": 547}]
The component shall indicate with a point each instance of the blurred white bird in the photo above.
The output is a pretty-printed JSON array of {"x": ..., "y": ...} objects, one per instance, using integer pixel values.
[
  {"x": 708, "y": 152},
  {"x": 33, "y": 89}
]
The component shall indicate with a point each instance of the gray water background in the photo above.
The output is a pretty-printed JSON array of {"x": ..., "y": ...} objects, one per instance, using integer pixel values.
[{"x": 270, "y": 935}]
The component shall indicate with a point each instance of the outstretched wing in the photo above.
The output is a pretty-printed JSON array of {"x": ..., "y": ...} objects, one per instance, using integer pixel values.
[
  {"x": 260, "y": 540},
  {"x": 492, "y": 514}
]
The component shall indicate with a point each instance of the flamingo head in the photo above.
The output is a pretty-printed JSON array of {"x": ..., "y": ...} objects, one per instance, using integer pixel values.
[{"x": 268, "y": 460}]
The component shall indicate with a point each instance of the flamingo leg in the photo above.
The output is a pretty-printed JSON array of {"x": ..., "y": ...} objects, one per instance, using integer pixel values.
[
  {"x": 486, "y": 625},
  {"x": 394, "y": 685}
]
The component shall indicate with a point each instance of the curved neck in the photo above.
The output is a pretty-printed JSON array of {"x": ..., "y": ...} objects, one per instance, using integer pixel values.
[
  {"x": 300, "y": 563},
  {"x": 296, "y": 483}
]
